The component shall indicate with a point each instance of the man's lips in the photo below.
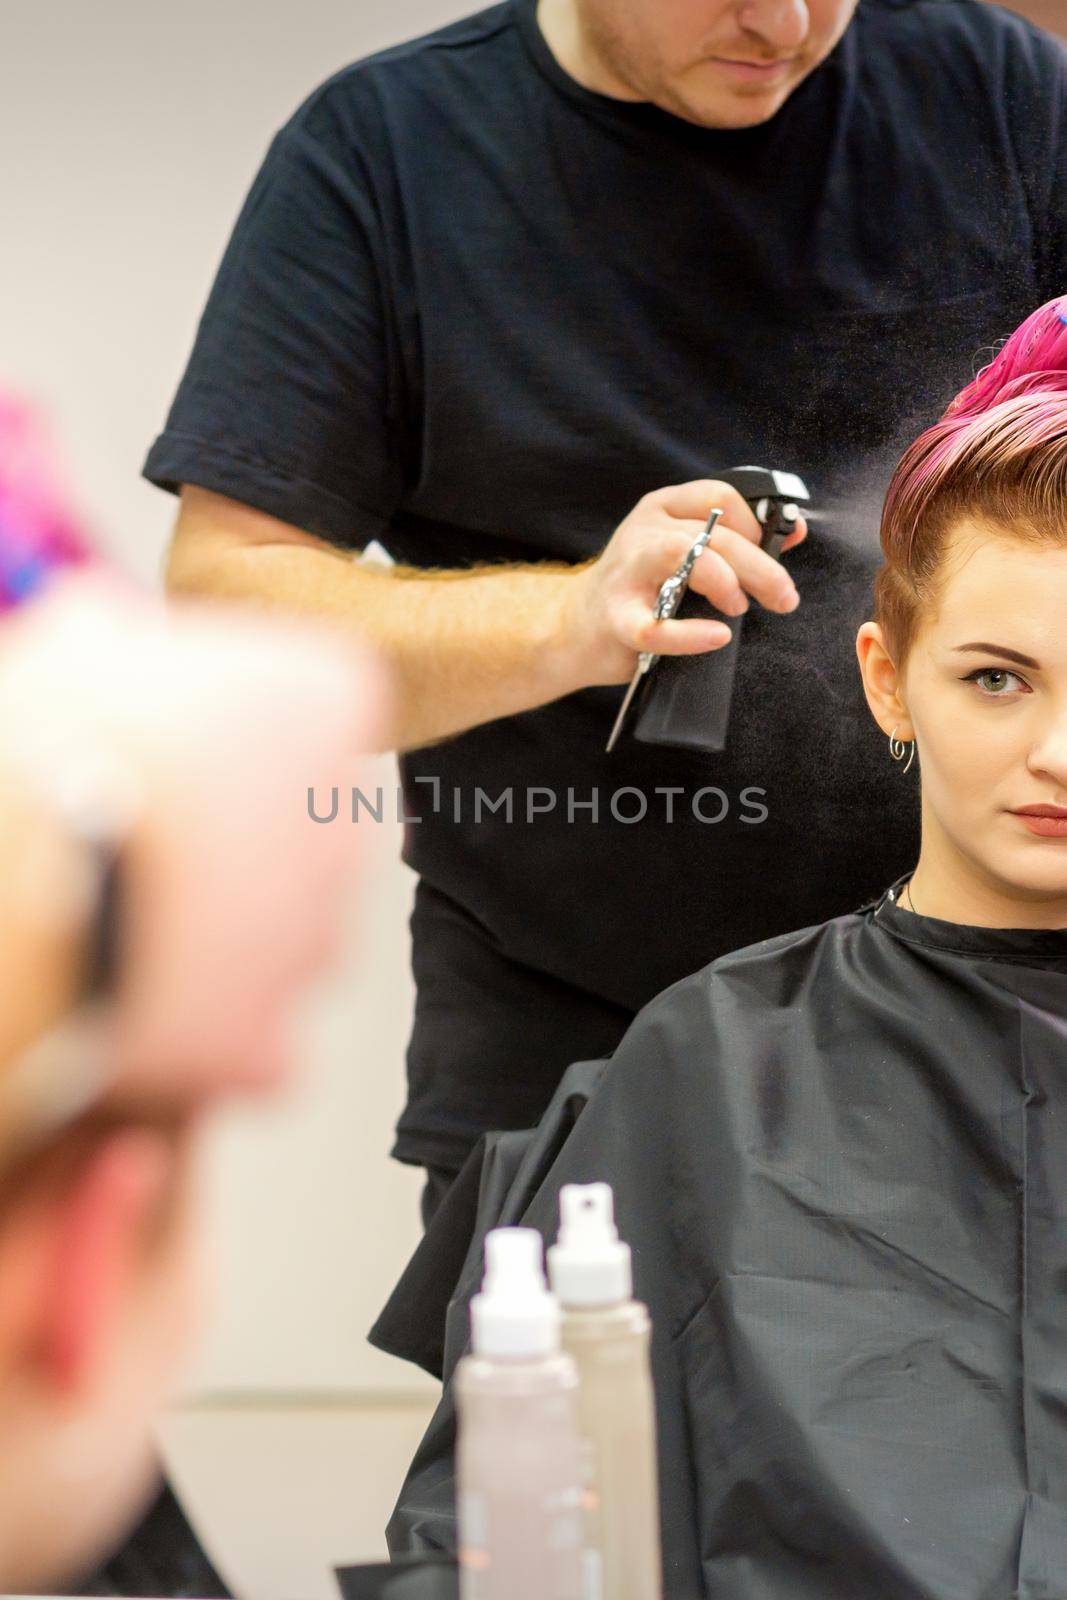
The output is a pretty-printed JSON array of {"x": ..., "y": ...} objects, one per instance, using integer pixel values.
[{"x": 751, "y": 69}]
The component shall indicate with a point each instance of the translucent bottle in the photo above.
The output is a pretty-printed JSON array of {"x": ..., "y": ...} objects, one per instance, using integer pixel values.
[
  {"x": 518, "y": 1460},
  {"x": 608, "y": 1333}
]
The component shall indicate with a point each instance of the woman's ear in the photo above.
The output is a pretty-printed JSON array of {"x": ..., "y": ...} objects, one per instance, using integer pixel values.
[
  {"x": 881, "y": 683},
  {"x": 95, "y": 1251}
]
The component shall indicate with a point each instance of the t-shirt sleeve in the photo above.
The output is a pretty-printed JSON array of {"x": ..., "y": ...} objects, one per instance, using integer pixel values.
[{"x": 289, "y": 403}]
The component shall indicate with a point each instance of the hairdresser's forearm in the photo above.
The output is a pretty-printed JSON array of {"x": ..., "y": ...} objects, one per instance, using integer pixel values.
[
  {"x": 464, "y": 648},
  {"x": 469, "y": 647}
]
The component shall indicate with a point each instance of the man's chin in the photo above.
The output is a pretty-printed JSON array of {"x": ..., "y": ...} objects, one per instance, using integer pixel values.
[
  {"x": 739, "y": 112},
  {"x": 738, "y": 106}
]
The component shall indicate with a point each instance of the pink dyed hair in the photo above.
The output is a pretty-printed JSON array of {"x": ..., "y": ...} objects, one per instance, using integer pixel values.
[
  {"x": 39, "y": 532},
  {"x": 998, "y": 457}
]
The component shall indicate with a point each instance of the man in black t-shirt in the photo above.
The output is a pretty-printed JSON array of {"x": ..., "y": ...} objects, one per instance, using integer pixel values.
[{"x": 491, "y": 288}]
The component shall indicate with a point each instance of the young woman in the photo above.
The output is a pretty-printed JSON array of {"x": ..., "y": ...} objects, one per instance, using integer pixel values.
[{"x": 841, "y": 1155}]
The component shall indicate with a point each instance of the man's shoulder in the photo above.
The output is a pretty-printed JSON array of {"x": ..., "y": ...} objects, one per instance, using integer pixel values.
[
  {"x": 429, "y": 51},
  {"x": 435, "y": 60},
  {"x": 947, "y": 24},
  {"x": 992, "y": 75}
]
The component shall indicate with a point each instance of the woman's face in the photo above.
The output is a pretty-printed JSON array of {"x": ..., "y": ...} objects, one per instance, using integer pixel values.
[{"x": 985, "y": 686}]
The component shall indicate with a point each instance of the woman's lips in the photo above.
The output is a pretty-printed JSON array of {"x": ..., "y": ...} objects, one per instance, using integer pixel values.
[{"x": 1047, "y": 822}]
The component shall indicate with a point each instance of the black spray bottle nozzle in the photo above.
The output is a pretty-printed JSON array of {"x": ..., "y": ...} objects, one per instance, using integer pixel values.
[
  {"x": 684, "y": 701},
  {"x": 775, "y": 497}
]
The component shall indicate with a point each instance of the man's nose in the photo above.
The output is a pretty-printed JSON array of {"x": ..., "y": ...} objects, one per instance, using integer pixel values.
[{"x": 784, "y": 24}]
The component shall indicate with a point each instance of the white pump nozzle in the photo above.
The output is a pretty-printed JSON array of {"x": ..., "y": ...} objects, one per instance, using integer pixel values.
[
  {"x": 514, "y": 1317},
  {"x": 589, "y": 1266}
]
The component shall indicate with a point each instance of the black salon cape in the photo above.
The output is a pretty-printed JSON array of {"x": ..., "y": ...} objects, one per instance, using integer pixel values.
[{"x": 840, "y": 1157}]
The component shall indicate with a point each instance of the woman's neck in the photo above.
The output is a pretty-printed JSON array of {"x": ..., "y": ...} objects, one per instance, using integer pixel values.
[{"x": 948, "y": 886}]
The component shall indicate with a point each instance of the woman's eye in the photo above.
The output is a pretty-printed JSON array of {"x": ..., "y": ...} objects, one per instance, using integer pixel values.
[{"x": 995, "y": 682}]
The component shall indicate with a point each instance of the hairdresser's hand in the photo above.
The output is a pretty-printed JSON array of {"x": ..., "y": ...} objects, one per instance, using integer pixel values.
[
  {"x": 237, "y": 898},
  {"x": 613, "y": 601}
]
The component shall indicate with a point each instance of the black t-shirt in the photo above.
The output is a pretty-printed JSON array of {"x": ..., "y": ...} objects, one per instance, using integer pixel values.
[{"x": 477, "y": 311}]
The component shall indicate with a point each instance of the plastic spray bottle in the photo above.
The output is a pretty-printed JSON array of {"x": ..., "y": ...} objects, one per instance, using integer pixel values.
[
  {"x": 608, "y": 1333},
  {"x": 518, "y": 1458}
]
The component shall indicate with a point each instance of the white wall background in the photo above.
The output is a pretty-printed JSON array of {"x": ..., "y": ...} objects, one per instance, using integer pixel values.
[{"x": 130, "y": 131}]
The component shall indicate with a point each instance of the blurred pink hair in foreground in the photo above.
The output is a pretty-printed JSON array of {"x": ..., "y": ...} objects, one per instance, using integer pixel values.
[
  {"x": 220, "y": 721},
  {"x": 39, "y": 533}
]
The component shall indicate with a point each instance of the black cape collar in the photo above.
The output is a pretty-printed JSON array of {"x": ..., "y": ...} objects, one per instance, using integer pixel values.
[{"x": 1027, "y": 946}]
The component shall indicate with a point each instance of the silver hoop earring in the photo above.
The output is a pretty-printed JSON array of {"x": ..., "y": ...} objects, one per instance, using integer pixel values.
[{"x": 897, "y": 747}]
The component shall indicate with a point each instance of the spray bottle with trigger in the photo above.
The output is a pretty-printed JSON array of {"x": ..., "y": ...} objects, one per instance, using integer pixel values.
[{"x": 685, "y": 700}]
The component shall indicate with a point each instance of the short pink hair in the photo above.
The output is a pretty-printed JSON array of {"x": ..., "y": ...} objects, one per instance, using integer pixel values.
[{"x": 998, "y": 457}]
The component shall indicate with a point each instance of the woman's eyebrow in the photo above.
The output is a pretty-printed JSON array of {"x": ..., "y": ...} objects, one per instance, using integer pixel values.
[{"x": 1001, "y": 650}]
